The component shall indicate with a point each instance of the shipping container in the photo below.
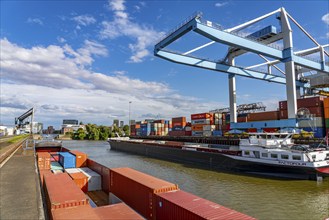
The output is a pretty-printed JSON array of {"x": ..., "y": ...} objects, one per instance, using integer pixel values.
[
  {"x": 67, "y": 160},
  {"x": 61, "y": 192},
  {"x": 94, "y": 179},
  {"x": 315, "y": 111},
  {"x": 201, "y": 116},
  {"x": 44, "y": 162},
  {"x": 327, "y": 122},
  {"x": 304, "y": 103},
  {"x": 137, "y": 189},
  {"x": 77, "y": 212},
  {"x": 55, "y": 156},
  {"x": 103, "y": 171},
  {"x": 43, "y": 173},
  {"x": 197, "y": 127},
  {"x": 317, "y": 132},
  {"x": 176, "y": 133},
  {"x": 185, "y": 206},
  {"x": 217, "y": 133},
  {"x": 197, "y": 133},
  {"x": 326, "y": 112},
  {"x": 56, "y": 166},
  {"x": 209, "y": 127},
  {"x": 201, "y": 121},
  {"x": 263, "y": 116},
  {"x": 81, "y": 180},
  {"x": 117, "y": 211},
  {"x": 326, "y": 102},
  {"x": 80, "y": 158},
  {"x": 270, "y": 130},
  {"x": 207, "y": 133}
]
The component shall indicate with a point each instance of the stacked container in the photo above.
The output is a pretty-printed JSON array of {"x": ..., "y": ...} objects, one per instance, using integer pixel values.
[
  {"x": 315, "y": 106},
  {"x": 145, "y": 129},
  {"x": 94, "y": 179},
  {"x": 117, "y": 211},
  {"x": 133, "y": 130},
  {"x": 67, "y": 160},
  {"x": 326, "y": 114},
  {"x": 44, "y": 160},
  {"x": 180, "y": 127},
  {"x": 264, "y": 116},
  {"x": 79, "y": 178},
  {"x": 80, "y": 158},
  {"x": 202, "y": 124},
  {"x": 138, "y": 190}
]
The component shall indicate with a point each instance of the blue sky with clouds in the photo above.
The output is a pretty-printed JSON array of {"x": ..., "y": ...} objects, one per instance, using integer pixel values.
[{"x": 86, "y": 60}]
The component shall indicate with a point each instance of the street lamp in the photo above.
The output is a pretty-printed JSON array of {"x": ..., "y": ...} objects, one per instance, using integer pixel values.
[{"x": 129, "y": 117}]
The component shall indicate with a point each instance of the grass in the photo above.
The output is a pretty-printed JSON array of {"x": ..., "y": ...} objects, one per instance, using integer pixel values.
[{"x": 17, "y": 138}]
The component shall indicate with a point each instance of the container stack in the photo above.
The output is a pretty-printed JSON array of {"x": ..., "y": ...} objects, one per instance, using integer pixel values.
[
  {"x": 145, "y": 129},
  {"x": 202, "y": 124},
  {"x": 326, "y": 114},
  {"x": 316, "y": 109},
  {"x": 178, "y": 127},
  {"x": 160, "y": 127}
]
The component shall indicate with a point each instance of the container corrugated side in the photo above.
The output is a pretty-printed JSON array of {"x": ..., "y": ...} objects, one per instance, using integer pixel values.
[
  {"x": 326, "y": 112},
  {"x": 137, "y": 189},
  {"x": 61, "y": 192},
  {"x": 94, "y": 179},
  {"x": 80, "y": 158},
  {"x": 263, "y": 116},
  {"x": 117, "y": 211},
  {"x": 103, "y": 171},
  {"x": 43, "y": 159},
  {"x": 185, "y": 206},
  {"x": 78, "y": 213},
  {"x": 43, "y": 173}
]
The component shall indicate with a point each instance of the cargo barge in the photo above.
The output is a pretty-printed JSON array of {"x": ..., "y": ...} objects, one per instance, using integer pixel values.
[
  {"x": 266, "y": 154},
  {"x": 76, "y": 187}
]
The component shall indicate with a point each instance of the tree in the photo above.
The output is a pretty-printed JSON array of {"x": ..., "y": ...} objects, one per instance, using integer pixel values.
[
  {"x": 104, "y": 132},
  {"x": 126, "y": 130}
]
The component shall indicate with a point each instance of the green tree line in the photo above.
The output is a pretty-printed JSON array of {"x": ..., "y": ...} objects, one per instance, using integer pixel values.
[{"x": 99, "y": 132}]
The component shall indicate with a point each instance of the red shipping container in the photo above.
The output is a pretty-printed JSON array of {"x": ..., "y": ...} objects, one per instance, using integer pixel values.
[
  {"x": 80, "y": 180},
  {"x": 316, "y": 111},
  {"x": 242, "y": 119},
  {"x": 326, "y": 112},
  {"x": 77, "y": 212},
  {"x": 137, "y": 189},
  {"x": 304, "y": 103},
  {"x": 201, "y": 116},
  {"x": 43, "y": 160},
  {"x": 81, "y": 158},
  {"x": 264, "y": 116},
  {"x": 185, "y": 206},
  {"x": 43, "y": 173},
  {"x": 117, "y": 211},
  {"x": 188, "y": 133},
  {"x": 176, "y": 133},
  {"x": 270, "y": 130},
  {"x": 252, "y": 130},
  {"x": 61, "y": 192}
]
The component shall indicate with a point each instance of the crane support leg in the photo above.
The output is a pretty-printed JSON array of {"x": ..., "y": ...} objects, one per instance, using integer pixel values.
[
  {"x": 232, "y": 94},
  {"x": 291, "y": 89}
]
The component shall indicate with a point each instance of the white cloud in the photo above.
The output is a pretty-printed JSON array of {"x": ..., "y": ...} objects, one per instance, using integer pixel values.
[
  {"x": 35, "y": 21},
  {"x": 145, "y": 36},
  {"x": 325, "y": 18},
  {"x": 61, "y": 39},
  {"x": 84, "y": 20},
  {"x": 59, "y": 83},
  {"x": 221, "y": 4}
]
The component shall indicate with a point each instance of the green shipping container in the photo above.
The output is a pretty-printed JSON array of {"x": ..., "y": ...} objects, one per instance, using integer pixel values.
[{"x": 327, "y": 122}]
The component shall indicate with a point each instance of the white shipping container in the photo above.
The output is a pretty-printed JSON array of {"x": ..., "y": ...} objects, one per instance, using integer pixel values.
[
  {"x": 201, "y": 121},
  {"x": 218, "y": 116},
  {"x": 188, "y": 129},
  {"x": 207, "y": 133},
  {"x": 72, "y": 170},
  {"x": 209, "y": 127},
  {"x": 218, "y": 121},
  {"x": 94, "y": 179}
]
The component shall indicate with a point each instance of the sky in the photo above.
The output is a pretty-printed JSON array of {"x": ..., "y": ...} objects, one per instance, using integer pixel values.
[{"x": 93, "y": 60}]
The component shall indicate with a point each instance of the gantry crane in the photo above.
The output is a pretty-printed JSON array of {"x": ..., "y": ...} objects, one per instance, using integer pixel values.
[{"x": 266, "y": 44}]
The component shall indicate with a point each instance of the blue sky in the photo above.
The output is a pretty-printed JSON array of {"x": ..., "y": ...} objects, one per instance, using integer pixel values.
[{"x": 86, "y": 60}]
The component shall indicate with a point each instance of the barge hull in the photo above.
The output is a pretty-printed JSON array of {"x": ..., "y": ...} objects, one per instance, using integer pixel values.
[{"x": 214, "y": 161}]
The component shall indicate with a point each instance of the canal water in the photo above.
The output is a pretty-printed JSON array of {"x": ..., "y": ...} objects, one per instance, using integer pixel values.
[{"x": 261, "y": 198}]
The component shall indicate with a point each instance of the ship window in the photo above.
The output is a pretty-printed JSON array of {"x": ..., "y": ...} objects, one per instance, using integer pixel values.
[
  {"x": 313, "y": 157},
  {"x": 327, "y": 157},
  {"x": 296, "y": 157},
  {"x": 264, "y": 155},
  {"x": 274, "y": 156},
  {"x": 284, "y": 156},
  {"x": 246, "y": 152}
]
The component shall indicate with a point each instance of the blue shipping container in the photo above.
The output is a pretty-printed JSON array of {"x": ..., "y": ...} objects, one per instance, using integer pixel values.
[
  {"x": 318, "y": 131},
  {"x": 67, "y": 160},
  {"x": 217, "y": 133}
]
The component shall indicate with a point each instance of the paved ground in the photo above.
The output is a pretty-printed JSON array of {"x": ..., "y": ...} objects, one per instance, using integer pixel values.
[{"x": 19, "y": 191}]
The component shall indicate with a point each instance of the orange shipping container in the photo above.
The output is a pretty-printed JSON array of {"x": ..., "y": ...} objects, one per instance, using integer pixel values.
[
  {"x": 43, "y": 173},
  {"x": 326, "y": 102},
  {"x": 197, "y": 127},
  {"x": 43, "y": 160},
  {"x": 263, "y": 116},
  {"x": 201, "y": 116},
  {"x": 137, "y": 189},
  {"x": 61, "y": 192},
  {"x": 117, "y": 211},
  {"x": 326, "y": 112},
  {"x": 81, "y": 158},
  {"x": 77, "y": 212},
  {"x": 80, "y": 180}
]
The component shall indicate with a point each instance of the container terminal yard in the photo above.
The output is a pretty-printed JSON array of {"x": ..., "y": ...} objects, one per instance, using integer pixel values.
[{"x": 66, "y": 184}]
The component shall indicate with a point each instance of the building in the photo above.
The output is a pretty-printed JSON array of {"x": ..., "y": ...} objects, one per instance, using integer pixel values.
[
  {"x": 121, "y": 124},
  {"x": 116, "y": 122},
  {"x": 71, "y": 125}
]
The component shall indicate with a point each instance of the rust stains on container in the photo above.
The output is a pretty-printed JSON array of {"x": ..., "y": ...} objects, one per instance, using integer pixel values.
[
  {"x": 137, "y": 189},
  {"x": 117, "y": 211},
  {"x": 81, "y": 158},
  {"x": 78, "y": 212},
  {"x": 61, "y": 192},
  {"x": 185, "y": 206}
]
